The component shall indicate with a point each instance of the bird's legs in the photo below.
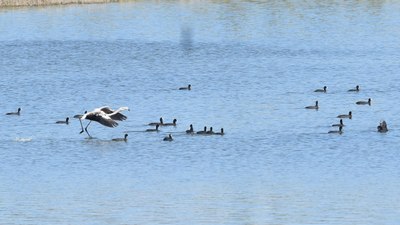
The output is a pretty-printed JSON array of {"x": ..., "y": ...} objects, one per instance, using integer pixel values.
[
  {"x": 80, "y": 121},
  {"x": 87, "y": 130}
]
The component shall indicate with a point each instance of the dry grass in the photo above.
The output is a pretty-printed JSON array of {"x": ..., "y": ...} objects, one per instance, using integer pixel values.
[{"x": 9, "y": 3}]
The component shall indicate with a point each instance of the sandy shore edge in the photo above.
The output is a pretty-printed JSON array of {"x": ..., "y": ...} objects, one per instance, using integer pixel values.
[{"x": 17, "y": 3}]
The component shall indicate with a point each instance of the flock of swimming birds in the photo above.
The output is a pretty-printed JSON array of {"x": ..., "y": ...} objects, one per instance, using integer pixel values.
[
  {"x": 108, "y": 117},
  {"x": 382, "y": 127}
]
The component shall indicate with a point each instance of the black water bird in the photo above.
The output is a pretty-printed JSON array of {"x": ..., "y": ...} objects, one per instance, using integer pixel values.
[
  {"x": 17, "y": 113},
  {"x": 159, "y": 123},
  {"x": 357, "y": 89},
  {"x": 220, "y": 133},
  {"x": 168, "y": 138},
  {"x": 336, "y": 131},
  {"x": 153, "y": 130},
  {"x": 66, "y": 121},
  {"x": 189, "y": 87},
  {"x": 364, "y": 102},
  {"x": 210, "y": 131},
  {"x": 125, "y": 138},
  {"x": 382, "y": 128},
  {"x": 349, "y": 116},
  {"x": 203, "y": 131},
  {"x": 340, "y": 124},
  {"x": 170, "y": 124},
  {"x": 313, "y": 106},
  {"x": 190, "y": 131},
  {"x": 321, "y": 90}
]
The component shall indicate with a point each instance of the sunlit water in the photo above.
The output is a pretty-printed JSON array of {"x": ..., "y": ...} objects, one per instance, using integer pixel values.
[{"x": 253, "y": 67}]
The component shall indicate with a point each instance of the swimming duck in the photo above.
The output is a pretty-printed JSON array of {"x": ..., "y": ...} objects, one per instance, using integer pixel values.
[
  {"x": 121, "y": 139},
  {"x": 168, "y": 138},
  {"x": 66, "y": 121},
  {"x": 313, "y": 106},
  {"x": 153, "y": 130},
  {"x": 220, "y": 133},
  {"x": 14, "y": 113},
  {"x": 382, "y": 128},
  {"x": 189, "y": 87},
  {"x": 364, "y": 102},
  {"x": 357, "y": 89},
  {"x": 345, "y": 115},
  {"x": 210, "y": 131},
  {"x": 190, "y": 131},
  {"x": 340, "y": 124},
  {"x": 155, "y": 123},
  {"x": 170, "y": 124},
  {"x": 321, "y": 90},
  {"x": 203, "y": 131},
  {"x": 336, "y": 131}
]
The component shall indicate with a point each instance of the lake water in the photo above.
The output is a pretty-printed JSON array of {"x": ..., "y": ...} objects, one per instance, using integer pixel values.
[{"x": 253, "y": 67}]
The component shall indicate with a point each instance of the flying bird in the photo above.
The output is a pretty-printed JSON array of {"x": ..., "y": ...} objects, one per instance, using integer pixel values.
[{"x": 105, "y": 116}]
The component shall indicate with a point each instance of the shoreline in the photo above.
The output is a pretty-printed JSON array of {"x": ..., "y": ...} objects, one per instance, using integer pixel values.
[{"x": 21, "y": 3}]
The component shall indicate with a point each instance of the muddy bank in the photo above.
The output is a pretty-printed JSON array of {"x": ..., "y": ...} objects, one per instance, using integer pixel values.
[{"x": 14, "y": 3}]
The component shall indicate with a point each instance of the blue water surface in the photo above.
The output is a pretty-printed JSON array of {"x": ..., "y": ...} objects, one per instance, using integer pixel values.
[{"x": 253, "y": 67}]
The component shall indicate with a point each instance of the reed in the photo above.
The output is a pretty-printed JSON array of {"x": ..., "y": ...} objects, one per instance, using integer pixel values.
[{"x": 15, "y": 3}]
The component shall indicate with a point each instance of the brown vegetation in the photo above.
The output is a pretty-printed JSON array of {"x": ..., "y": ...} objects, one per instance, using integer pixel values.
[{"x": 9, "y": 3}]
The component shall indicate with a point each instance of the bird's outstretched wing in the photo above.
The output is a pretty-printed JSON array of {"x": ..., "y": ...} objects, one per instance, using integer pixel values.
[
  {"x": 117, "y": 115},
  {"x": 105, "y": 109}
]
